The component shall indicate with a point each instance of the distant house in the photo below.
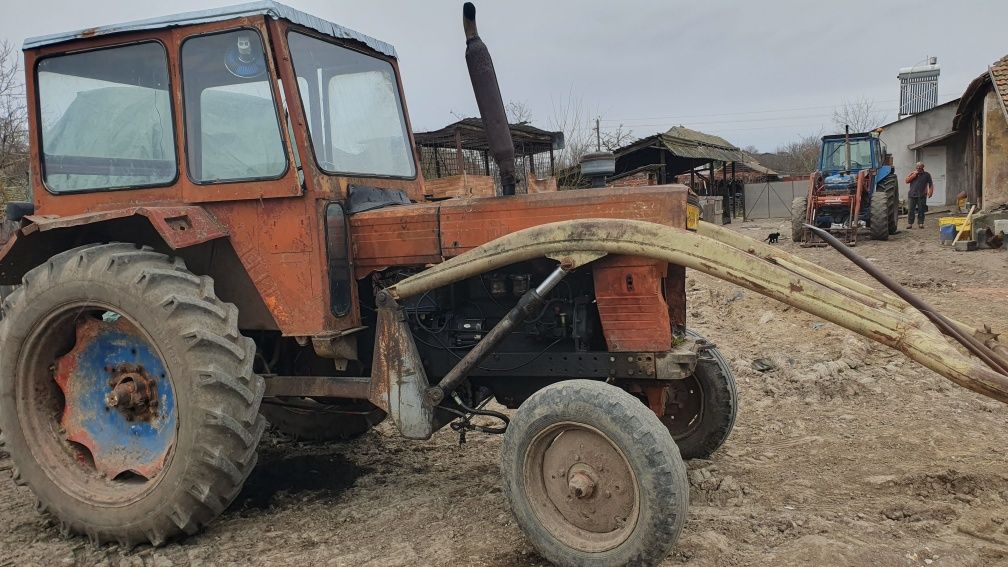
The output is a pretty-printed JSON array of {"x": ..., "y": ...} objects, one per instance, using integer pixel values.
[
  {"x": 928, "y": 136},
  {"x": 981, "y": 124},
  {"x": 679, "y": 150},
  {"x": 963, "y": 143}
]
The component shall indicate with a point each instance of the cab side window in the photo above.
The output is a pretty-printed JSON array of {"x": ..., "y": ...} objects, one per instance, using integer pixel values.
[
  {"x": 106, "y": 119},
  {"x": 231, "y": 121}
]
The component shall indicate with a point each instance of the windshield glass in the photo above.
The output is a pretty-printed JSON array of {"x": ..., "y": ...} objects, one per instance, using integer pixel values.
[
  {"x": 835, "y": 156},
  {"x": 354, "y": 112}
]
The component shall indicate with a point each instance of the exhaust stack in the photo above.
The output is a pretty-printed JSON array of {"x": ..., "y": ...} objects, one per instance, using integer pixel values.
[{"x": 489, "y": 101}]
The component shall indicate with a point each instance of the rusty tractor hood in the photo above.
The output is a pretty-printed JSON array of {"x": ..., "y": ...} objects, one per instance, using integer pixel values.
[{"x": 429, "y": 233}]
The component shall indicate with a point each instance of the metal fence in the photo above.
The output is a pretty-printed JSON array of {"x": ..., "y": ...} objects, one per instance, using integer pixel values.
[{"x": 772, "y": 200}]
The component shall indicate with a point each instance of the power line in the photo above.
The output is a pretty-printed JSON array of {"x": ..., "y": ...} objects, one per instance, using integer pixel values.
[{"x": 747, "y": 112}]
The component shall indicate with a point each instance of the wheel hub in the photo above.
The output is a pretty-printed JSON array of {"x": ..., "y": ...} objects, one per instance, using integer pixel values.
[
  {"x": 582, "y": 487},
  {"x": 132, "y": 392},
  {"x": 118, "y": 401}
]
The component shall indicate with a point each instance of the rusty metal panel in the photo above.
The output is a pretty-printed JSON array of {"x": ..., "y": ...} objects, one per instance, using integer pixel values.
[
  {"x": 277, "y": 242},
  {"x": 468, "y": 223},
  {"x": 398, "y": 379},
  {"x": 631, "y": 303},
  {"x": 395, "y": 236}
]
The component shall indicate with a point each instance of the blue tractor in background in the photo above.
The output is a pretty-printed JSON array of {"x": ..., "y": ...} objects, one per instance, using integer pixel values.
[{"x": 855, "y": 188}]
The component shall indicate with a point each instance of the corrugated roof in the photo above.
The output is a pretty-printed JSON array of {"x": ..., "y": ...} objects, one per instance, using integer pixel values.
[
  {"x": 268, "y": 8},
  {"x": 475, "y": 137},
  {"x": 686, "y": 143}
]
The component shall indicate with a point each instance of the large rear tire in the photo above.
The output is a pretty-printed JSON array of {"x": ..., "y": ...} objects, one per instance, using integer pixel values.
[
  {"x": 593, "y": 477},
  {"x": 799, "y": 216},
  {"x": 700, "y": 412},
  {"x": 879, "y": 216},
  {"x": 146, "y": 425},
  {"x": 889, "y": 186}
]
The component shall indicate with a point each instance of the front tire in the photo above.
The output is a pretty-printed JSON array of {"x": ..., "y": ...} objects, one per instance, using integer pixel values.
[
  {"x": 799, "y": 214},
  {"x": 106, "y": 461},
  {"x": 593, "y": 477}
]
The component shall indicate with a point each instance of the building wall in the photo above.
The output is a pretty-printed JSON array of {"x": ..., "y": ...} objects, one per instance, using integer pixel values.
[
  {"x": 640, "y": 179},
  {"x": 919, "y": 127},
  {"x": 897, "y": 136},
  {"x": 995, "y": 153},
  {"x": 935, "y": 122}
]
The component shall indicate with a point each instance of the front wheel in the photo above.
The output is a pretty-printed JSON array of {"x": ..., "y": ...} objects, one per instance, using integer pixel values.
[
  {"x": 799, "y": 216},
  {"x": 593, "y": 477},
  {"x": 128, "y": 403}
]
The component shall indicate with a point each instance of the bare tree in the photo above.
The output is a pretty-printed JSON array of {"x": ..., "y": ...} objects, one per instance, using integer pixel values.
[
  {"x": 13, "y": 127},
  {"x": 860, "y": 114},
  {"x": 798, "y": 157},
  {"x": 572, "y": 117},
  {"x": 615, "y": 139},
  {"x": 518, "y": 112}
]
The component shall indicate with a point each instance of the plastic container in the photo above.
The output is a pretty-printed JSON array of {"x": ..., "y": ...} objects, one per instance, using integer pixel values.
[
  {"x": 958, "y": 223},
  {"x": 947, "y": 233}
]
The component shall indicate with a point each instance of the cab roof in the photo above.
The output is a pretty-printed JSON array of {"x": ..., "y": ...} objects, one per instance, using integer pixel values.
[{"x": 268, "y": 8}]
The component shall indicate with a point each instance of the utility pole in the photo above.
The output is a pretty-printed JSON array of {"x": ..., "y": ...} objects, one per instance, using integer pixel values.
[{"x": 598, "y": 135}]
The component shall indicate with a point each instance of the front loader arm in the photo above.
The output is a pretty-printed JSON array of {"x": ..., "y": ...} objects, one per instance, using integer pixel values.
[{"x": 739, "y": 260}]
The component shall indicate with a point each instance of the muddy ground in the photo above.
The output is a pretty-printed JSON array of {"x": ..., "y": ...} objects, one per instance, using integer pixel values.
[{"x": 845, "y": 454}]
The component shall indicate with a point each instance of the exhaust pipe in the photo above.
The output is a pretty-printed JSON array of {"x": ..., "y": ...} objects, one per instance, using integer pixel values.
[{"x": 489, "y": 101}]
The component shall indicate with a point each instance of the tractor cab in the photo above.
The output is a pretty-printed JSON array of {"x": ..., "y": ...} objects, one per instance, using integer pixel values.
[{"x": 839, "y": 174}]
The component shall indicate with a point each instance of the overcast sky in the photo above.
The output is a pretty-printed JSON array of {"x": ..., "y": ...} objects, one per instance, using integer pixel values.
[{"x": 755, "y": 72}]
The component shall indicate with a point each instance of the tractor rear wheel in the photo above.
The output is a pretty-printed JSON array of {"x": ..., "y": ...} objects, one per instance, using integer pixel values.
[
  {"x": 308, "y": 420},
  {"x": 700, "y": 411},
  {"x": 889, "y": 186},
  {"x": 593, "y": 477},
  {"x": 128, "y": 403},
  {"x": 879, "y": 216},
  {"x": 799, "y": 216}
]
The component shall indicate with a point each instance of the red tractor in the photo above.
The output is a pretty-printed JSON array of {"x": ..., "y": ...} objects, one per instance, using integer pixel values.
[
  {"x": 229, "y": 226},
  {"x": 227, "y": 205}
]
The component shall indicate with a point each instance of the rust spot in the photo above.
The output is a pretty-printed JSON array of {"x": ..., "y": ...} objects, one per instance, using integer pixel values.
[{"x": 90, "y": 32}]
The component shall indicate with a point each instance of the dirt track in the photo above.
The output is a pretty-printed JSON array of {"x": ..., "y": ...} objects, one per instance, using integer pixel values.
[{"x": 846, "y": 454}]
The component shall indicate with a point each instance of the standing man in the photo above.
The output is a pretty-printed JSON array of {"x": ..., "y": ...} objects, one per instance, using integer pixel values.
[{"x": 921, "y": 188}]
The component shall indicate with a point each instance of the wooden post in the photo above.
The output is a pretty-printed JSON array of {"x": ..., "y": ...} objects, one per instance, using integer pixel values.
[
  {"x": 552, "y": 163},
  {"x": 486, "y": 162},
  {"x": 458, "y": 152}
]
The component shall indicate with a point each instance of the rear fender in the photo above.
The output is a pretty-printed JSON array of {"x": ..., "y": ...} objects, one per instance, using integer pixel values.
[{"x": 40, "y": 237}]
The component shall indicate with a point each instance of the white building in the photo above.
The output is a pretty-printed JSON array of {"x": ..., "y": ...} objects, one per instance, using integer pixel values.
[{"x": 928, "y": 137}]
